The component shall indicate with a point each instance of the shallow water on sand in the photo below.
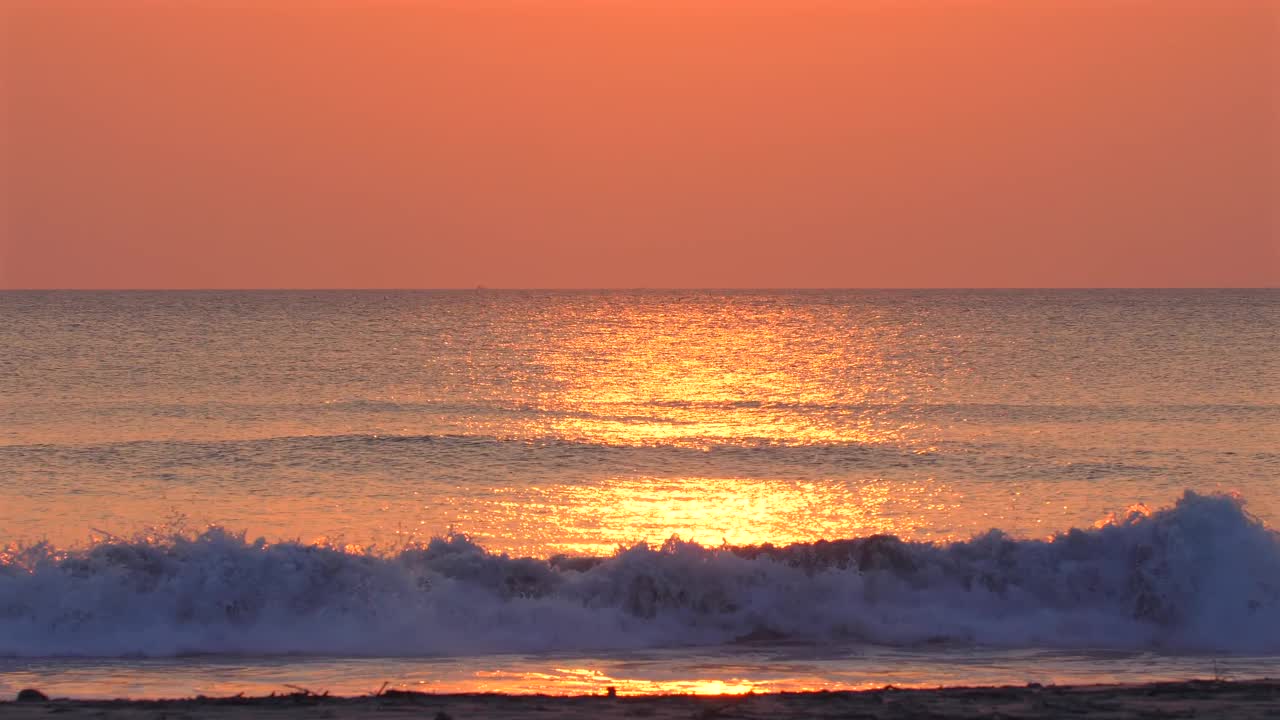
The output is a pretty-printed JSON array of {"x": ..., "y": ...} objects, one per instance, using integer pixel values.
[{"x": 723, "y": 671}]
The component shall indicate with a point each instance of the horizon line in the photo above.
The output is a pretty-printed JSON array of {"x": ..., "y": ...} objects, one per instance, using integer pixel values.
[{"x": 641, "y": 288}]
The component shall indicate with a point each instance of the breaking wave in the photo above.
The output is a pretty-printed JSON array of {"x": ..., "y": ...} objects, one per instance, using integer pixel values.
[{"x": 1203, "y": 575}]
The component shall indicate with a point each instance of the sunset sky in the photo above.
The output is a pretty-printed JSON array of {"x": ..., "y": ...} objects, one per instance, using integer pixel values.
[{"x": 619, "y": 143}]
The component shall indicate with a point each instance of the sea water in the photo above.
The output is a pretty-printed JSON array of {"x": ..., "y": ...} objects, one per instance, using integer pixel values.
[{"x": 689, "y": 491}]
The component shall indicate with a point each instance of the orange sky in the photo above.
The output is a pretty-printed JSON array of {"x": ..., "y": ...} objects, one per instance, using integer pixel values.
[{"x": 616, "y": 143}]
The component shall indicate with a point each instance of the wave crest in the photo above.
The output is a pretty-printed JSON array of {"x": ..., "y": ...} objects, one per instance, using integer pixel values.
[{"x": 1203, "y": 575}]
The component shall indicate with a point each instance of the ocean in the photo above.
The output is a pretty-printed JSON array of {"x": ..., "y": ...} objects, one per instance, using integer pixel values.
[{"x": 662, "y": 491}]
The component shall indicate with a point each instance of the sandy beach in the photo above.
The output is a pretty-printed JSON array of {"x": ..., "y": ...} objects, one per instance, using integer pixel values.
[{"x": 1194, "y": 698}]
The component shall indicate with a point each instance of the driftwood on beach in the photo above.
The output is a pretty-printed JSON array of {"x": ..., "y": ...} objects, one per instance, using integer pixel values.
[{"x": 1195, "y": 698}]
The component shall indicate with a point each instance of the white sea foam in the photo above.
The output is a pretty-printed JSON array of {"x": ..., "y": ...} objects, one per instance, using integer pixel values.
[{"x": 1200, "y": 576}]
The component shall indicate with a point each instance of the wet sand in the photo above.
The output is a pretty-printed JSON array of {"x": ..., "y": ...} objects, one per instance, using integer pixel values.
[{"x": 1195, "y": 698}]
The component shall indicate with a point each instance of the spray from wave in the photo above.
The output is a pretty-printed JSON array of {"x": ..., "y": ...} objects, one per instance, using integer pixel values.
[{"x": 1201, "y": 576}]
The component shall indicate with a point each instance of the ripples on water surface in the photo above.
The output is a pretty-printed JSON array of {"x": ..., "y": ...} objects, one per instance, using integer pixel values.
[
  {"x": 571, "y": 422},
  {"x": 545, "y": 423}
]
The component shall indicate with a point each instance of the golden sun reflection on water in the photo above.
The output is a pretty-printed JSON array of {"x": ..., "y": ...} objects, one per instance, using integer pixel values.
[
  {"x": 635, "y": 375},
  {"x": 590, "y": 681},
  {"x": 597, "y": 680},
  {"x": 739, "y": 373},
  {"x": 596, "y": 519}
]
